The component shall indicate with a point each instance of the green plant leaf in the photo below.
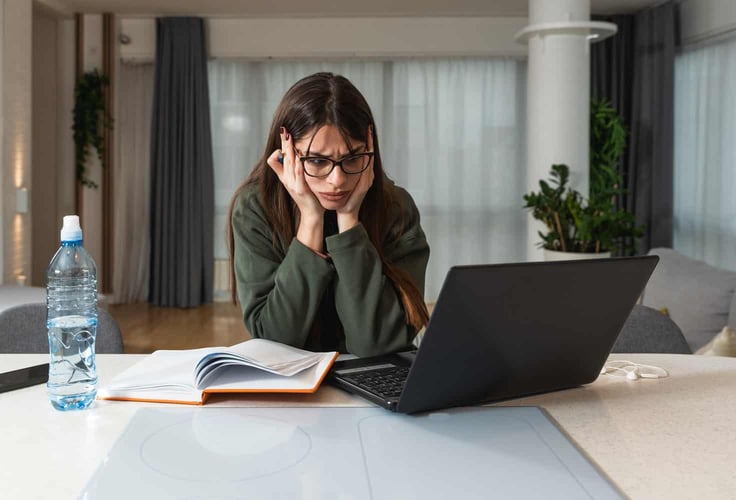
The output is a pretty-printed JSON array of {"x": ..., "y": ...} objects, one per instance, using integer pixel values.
[
  {"x": 594, "y": 224},
  {"x": 90, "y": 118}
]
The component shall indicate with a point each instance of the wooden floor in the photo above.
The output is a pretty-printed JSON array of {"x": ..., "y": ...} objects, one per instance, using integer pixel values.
[{"x": 147, "y": 328}]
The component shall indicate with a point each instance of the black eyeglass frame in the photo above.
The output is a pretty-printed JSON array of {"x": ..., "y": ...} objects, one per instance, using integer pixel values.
[{"x": 369, "y": 154}]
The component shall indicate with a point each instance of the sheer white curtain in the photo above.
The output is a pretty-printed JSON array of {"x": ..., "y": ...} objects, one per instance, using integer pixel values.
[
  {"x": 705, "y": 153},
  {"x": 132, "y": 166},
  {"x": 451, "y": 132},
  {"x": 454, "y": 138}
]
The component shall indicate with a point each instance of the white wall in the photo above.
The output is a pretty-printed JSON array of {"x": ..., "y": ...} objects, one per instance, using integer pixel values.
[
  {"x": 44, "y": 234},
  {"x": 703, "y": 19},
  {"x": 66, "y": 56},
  {"x": 53, "y": 179},
  {"x": 16, "y": 136},
  {"x": 334, "y": 37},
  {"x": 3, "y": 182}
]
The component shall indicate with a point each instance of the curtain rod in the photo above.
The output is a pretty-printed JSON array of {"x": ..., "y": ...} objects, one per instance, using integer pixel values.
[{"x": 706, "y": 39}]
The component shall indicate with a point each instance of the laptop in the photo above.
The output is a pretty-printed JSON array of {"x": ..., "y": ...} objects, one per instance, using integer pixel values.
[{"x": 503, "y": 331}]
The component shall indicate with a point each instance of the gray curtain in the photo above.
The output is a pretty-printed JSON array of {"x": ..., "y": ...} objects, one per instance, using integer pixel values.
[
  {"x": 182, "y": 189},
  {"x": 635, "y": 71},
  {"x": 612, "y": 69},
  {"x": 612, "y": 79}
]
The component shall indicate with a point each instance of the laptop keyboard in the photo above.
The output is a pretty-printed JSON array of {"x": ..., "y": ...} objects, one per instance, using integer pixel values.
[{"x": 386, "y": 382}]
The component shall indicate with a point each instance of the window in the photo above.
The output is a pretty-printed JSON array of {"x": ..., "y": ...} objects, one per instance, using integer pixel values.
[{"x": 705, "y": 154}]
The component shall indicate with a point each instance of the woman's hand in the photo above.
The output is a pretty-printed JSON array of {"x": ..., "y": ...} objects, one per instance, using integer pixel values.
[
  {"x": 347, "y": 215},
  {"x": 291, "y": 175}
]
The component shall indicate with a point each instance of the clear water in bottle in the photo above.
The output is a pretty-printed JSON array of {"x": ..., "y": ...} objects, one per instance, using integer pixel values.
[
  {"x": 72, "y": 372},
  {"x": 71, "y": 295}
]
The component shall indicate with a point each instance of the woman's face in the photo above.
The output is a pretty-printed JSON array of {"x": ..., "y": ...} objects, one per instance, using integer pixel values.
[{"x": 333, "y": 190}]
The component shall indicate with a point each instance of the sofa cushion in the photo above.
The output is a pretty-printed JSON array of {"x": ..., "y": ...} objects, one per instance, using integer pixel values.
[
  {"x": 649, "y": 330},
  {"x": 700, "y": 298},
  {"x": 723, "y": 344}
]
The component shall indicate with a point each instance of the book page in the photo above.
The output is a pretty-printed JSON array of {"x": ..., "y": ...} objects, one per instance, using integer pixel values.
[
  {"x": 255, "y": 365},
  {"x": 247, "y": 379},
  {"x": 163, "y": 373},
  {"x": 263, "y": 354}
]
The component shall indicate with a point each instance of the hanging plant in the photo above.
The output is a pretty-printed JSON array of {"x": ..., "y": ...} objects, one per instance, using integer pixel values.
[{"x": 90, "y": 120}]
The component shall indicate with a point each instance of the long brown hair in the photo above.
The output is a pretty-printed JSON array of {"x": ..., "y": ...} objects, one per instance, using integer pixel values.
[{"x": 311, "y": 103}]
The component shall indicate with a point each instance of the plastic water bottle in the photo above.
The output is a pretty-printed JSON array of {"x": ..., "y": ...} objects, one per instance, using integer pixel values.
[{"x": 71, "y": 320}]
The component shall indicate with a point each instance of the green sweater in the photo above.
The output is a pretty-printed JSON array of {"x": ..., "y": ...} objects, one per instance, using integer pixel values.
[{"x": 292, "y": 295}]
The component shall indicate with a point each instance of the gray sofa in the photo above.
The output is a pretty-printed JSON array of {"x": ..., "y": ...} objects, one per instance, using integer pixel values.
[{"x": 699, "y": 297}]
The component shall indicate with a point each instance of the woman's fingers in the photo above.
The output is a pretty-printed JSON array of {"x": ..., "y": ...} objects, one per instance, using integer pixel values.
[
  {"x": 299, "y": 175},
  {"x": 291, "y": 174},
  {"x": 288, "y": 168},
  {"x": 275, "y": 161},
  {"x": 289, "y": 155}
]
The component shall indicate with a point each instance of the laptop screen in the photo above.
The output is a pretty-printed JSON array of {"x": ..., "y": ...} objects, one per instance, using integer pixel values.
[{"x": 509, "y": 330}]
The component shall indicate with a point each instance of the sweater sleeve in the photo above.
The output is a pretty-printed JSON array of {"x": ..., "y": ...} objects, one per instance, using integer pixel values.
[
  {"x": 280, "y": 293},
  {"x": 367, "y": 302}
]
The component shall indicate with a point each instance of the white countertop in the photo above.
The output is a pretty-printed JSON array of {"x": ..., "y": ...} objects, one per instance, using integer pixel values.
[{"x": 663, "y": 438}]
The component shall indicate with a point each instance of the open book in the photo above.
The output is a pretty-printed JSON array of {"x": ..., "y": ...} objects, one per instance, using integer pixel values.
[{"x": 189, "y": 376}]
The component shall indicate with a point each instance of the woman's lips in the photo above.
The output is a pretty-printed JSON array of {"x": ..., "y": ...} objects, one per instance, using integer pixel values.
[{"x": 334, "y": 196}]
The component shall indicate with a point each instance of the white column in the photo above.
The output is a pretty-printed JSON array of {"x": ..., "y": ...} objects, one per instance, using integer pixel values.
[{"x": 558, "y": 94}]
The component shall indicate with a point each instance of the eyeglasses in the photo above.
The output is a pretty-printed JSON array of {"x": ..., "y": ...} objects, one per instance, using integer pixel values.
[{"x": 318, "y": 166}]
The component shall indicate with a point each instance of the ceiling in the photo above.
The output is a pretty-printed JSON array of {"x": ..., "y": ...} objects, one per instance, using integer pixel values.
[{"x": 325, "y": 8}]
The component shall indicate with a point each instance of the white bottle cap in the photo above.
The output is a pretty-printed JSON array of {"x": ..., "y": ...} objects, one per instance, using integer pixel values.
[{"x": 71, "y": 230}]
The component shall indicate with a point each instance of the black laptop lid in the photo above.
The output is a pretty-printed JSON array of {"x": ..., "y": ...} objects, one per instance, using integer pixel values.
[{"x": 508, "y": 330}]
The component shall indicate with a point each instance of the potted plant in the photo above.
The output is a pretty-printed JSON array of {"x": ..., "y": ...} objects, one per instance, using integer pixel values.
[
  {"x": 91, "y": 117},
  {"x": 592, "y": 227}
]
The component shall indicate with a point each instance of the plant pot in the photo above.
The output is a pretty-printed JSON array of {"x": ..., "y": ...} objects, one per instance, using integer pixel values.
[{"x": 554, "y": 255}]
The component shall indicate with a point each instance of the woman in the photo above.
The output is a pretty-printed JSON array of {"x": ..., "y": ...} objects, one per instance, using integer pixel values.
[{"x": 327, "y": 253}]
